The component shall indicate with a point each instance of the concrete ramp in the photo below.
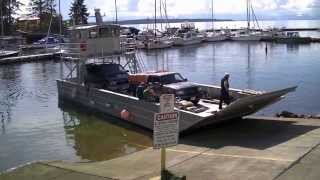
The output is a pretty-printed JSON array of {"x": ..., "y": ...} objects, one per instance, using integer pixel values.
[{"x": 252, "y": 148}]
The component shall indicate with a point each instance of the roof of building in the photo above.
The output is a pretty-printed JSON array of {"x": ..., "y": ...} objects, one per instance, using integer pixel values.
[{"x": 28, "y": 18}]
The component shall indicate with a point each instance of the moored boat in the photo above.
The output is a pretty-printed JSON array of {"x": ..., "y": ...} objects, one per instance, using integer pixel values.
[
  {"x": 291, "y": 37},
  {"x": 187, "y": 38},
  {"x": 141, "y": 112},
  {"x": 5, "y": 54},
  {"x": 158, "y": 44},
  {"x": 215, "y": 37},
  {"x": 246, "y": 36}
]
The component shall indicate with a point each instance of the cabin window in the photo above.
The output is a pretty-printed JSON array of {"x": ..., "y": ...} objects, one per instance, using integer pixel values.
[
  {"x": 115, "y": 32},
  {"x": 93, "y": 34},
  {"x": 78, "y": 35},
  {"x": 105, "y": 32}
]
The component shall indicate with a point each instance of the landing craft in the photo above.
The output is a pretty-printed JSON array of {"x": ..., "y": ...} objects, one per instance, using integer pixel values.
[{"x": 197, "y": 104}]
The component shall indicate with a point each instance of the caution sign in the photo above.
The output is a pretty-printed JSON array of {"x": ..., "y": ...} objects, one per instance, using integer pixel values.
[{"x": 165, "y": 130}]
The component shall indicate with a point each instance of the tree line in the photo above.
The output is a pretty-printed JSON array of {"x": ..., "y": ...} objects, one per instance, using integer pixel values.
[{"x": 46, "y": 12}]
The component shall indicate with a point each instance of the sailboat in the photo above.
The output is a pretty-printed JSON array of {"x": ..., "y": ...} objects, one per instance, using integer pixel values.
[
  {"x": 156, "y": 42},
  {"x": 247, "y": 34},
  {"x": 214, "y": 36}
]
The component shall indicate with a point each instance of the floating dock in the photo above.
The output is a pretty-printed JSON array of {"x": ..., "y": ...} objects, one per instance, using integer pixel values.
[
  {"x": 251, "y": 148},
  {"x": 29, "y": 58}
]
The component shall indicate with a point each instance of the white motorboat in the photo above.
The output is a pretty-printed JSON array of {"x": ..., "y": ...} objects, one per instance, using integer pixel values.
[
  {"x": 187, "y": 38},
  {"x": 157, "y": 44},
  {"x": 246, "y": 36},
  {"x": 214, "y": 37}
]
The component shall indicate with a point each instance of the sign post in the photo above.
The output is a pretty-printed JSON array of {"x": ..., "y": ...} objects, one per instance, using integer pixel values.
[{"x": 166, "y": 128}]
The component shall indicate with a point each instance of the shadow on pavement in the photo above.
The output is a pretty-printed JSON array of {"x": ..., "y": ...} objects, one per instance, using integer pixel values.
[{"x": 250, "y": 133}]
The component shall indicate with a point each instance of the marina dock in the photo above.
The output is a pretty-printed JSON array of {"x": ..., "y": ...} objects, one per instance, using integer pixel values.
[
  {"x": 29, "y": 58},
  {"x": 250, "y": 148}
]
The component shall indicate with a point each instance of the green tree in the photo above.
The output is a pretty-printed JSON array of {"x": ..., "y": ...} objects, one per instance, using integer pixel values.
[
  {"x": 45, "y": 10},
  {"x": 78, "y": 12},
  {"x": 8, "y": 9}
]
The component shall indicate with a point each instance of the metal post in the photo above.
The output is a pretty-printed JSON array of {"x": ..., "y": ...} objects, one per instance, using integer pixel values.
[
  {"x": 60, "y": 24},
  {"x": 163, "y": 163}
]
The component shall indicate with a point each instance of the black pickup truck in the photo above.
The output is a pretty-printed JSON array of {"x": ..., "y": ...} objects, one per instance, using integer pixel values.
[
  {"x": 108, "y": 76},
  {"x": 168, "y": 83}
]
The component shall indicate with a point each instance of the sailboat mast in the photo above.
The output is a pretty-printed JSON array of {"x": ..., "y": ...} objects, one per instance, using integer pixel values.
[
  {"x": 116, "y": 10},
  {"x": 212, "y": 24},
  {"x": 248, "y": 14},
  {"x": 161, "y": 18},
  {"x": 155, "y": 18}
]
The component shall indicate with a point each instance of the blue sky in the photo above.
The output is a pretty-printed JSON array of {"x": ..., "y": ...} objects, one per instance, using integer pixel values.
[{"x": 229, "y": 9}]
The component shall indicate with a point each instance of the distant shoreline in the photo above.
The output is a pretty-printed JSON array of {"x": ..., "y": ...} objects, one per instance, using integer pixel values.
[{"x": 151, "y": 21}]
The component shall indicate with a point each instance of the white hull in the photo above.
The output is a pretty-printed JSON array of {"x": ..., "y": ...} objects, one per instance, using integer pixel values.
[
  {"x": 142, "y": 112},
  {"x": 184, "y": 42},
  {"x": 246, "y": 38},
  {"x": 159, "y": 45},
  {"x": 216, "y": 38}
]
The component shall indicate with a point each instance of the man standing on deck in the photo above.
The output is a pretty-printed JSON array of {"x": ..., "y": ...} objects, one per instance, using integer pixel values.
[{"x": 224, "y": 93}]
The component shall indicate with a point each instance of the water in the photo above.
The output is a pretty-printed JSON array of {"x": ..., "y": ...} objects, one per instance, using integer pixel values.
[
  {"x": 250, "y": 68},
  {"x": 33, "y": 127}
]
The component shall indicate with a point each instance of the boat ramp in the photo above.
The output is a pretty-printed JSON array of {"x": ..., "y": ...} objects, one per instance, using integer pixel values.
[{"x": 250, "y": 148}]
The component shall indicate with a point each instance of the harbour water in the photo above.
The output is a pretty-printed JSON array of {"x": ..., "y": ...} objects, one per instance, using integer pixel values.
[{"x": 34, "y": 127}]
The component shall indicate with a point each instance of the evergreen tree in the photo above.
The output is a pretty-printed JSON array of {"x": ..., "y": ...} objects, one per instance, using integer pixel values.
[
  {"x": 45, "y": 10},
  {"x": 40, "y": 7},
  {"x": 78, "y": 12},
  {"x": 8, "y": 10}
]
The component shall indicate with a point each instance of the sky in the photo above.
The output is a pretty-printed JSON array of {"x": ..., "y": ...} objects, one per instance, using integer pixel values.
[{"x": 223, "y": 9}]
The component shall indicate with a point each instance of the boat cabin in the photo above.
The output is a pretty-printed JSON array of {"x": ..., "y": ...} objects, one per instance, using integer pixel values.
[
  {"x": 292, "y": 34},
  {"x": 97, "y": 40}
]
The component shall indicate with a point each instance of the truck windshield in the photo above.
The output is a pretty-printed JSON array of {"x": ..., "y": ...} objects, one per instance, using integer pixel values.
[{"x": 172, "y": 78}]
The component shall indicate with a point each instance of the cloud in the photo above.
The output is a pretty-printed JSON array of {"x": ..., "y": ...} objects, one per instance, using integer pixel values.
[
  {"x": 297, "y": 4},
  {"x": 315, "y": 4},
  {"x": 196, "y": 8}
]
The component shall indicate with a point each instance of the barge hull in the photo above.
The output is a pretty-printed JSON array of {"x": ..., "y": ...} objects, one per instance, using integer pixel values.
[{"x": 141, "y": 112}]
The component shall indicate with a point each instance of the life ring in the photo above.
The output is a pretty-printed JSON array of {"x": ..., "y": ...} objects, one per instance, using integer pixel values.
[{"x": 125, "y": 114}]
